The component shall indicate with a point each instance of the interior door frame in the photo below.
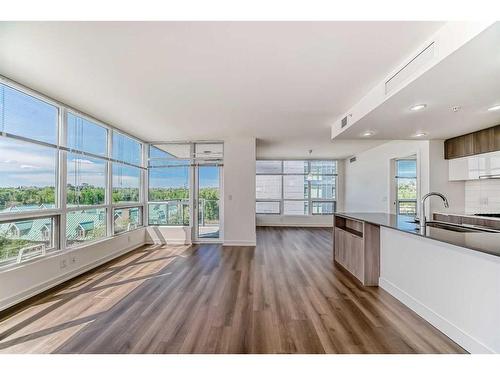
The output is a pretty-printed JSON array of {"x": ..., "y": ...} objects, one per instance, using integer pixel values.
[{"x": 194, "y": 205}]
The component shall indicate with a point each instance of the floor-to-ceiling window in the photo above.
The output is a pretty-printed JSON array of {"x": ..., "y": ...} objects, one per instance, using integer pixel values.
[
  {"x": 65, "y": 179},
  {"x": 169, "y": 184},
  {"x": 127, "y": 181},
  {"x": 29, "y": 160},
  {"x": 86, "y": 180},
  {"x": 296, "y": 187}
]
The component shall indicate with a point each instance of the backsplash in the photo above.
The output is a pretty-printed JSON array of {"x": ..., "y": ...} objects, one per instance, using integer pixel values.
[{"x": 482, "y": 196}]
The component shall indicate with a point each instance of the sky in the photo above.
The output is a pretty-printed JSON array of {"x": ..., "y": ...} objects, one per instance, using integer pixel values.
[
  {"x": 26, "y": 164},
  {"x": 26, "y": 116},
  {"x": 86, "y": 136},
  {"x": 407, "y": 168}
]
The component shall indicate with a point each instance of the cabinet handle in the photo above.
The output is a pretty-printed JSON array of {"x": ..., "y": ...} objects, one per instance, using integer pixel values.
[{"x": 487, "y": 176}]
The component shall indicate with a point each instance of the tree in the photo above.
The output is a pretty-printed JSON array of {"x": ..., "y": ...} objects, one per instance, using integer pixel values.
[{"x": 210, "y": 199}]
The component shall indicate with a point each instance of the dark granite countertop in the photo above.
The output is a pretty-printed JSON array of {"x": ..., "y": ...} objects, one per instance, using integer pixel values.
[{"x": 484, "y": 242}]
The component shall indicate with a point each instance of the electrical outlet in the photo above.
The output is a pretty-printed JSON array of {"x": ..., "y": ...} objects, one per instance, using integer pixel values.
[{"x": 64, "y": 263}]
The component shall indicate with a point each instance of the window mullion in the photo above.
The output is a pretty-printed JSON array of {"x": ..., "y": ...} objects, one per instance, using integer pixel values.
[
  {"x": 109, "y": 187},
  {"x": 309, "y": 192},
  {"x": 145, "y": 183},
  {"x": 282, "y": 202},
  {"x": 62, "y": 178}
]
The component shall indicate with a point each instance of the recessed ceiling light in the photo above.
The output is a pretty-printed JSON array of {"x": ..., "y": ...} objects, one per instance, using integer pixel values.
[
  {"x": 418, "y": 107},
  {"x": 494, "y": 108},
  {"x": 420, "y": 134},
  {"x": 368, "y": 133}
]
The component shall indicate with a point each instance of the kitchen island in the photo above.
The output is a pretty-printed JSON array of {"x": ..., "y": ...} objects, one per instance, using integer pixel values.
[
  {"x": 451, "y": 279},
  {"x": 483, "y": 242}
]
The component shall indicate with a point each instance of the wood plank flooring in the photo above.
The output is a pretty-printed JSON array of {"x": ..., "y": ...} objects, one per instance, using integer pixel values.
[{"x": 283, "y": 296}]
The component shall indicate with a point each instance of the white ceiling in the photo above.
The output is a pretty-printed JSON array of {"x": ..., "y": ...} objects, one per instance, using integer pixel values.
[
  {"x": 468, "y": 78},
  {"x": 281, "y": 82}
]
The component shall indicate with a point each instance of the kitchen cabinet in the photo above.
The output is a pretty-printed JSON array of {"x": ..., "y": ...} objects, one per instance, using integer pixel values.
[
  {"x": 462, "y": 169},
  {"x": 474, "y": 167},
  {"x": 348, "y": 251},
  {"x": 497, "y": 137},
  {"x": 459, "y": 146},
  {"x": 466, "y": 219},
  {"x": 482, "y": 141},
  {"x": 356, "y": 249}
]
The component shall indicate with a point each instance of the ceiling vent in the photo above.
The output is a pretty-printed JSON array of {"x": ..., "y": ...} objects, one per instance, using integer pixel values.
[
  {"x": 422, "y": 58},
  {"x": 343, "y": 123}
]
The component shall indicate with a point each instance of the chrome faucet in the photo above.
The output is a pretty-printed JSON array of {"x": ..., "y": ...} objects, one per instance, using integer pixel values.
[{"x": 423, "y": 220}]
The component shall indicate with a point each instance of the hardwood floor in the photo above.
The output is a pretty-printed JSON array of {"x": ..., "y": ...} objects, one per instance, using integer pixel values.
[{"x": 284, "y": 296}]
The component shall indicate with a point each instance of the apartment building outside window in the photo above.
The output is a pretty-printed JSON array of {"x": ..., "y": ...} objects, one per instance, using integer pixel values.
[{"x": 296, "y": 187}]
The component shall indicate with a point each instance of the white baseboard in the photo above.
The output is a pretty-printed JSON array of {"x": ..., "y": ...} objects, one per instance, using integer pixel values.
[
  {"x": 240, "y": 243},
  {"x": 462, "y": 338},
  {"x": 308, "y": 225},
  {"x": 13, "y": 300},
  {"x": 184, "y": 242},
  {"x": 180, "y": 241}
]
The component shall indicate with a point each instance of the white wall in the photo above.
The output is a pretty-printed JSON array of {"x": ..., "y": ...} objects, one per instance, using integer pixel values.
[
  {"x": 368, "y": 185},
  {"x": 453, "y": 288},
  {"x": 368, "y": 179},
  {"x": 168, "y": 234},
  {"x": 29, "y": 279},
  {"x": 239, "y": 192},
  {"x": 295, "y": 221}
]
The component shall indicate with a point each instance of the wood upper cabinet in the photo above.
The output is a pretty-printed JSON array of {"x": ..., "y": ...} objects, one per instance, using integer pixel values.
[
  {"x": 459, "y": 146},
  {"x": 497, "y": 138},
  {"x": 486, "y": 140},
  {"x": 452, "y": 148}
]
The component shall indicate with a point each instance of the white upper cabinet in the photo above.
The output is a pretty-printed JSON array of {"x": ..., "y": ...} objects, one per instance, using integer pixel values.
[
  {"x": 461, "y": 169},
  {"x": 475, "y": 167}
]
